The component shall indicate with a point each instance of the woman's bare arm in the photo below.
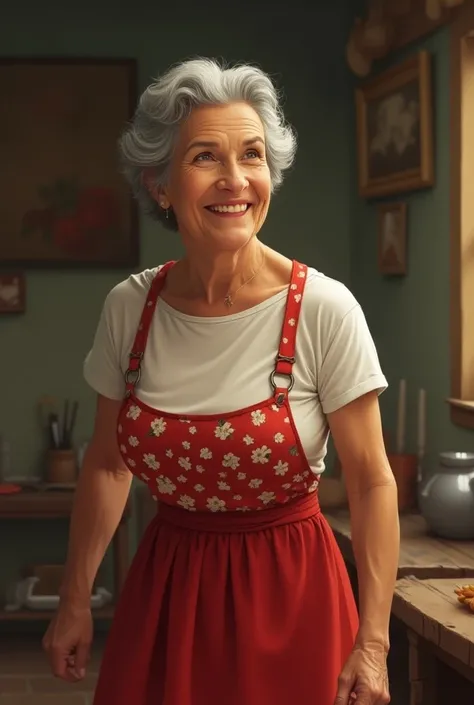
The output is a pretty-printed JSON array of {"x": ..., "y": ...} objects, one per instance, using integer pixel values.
[
  {"x": 372, "y": 493},
  {"x": 100, "y": 498}
]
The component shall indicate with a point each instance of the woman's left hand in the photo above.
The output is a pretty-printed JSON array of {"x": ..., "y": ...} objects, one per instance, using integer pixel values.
[{"x": 364, "y": 678}]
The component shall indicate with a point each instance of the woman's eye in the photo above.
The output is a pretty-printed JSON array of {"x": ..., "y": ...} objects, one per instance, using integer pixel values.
[
  {"x": 252, "y": 154},
  {"x": 203, "y": 157},
  {"x": 207, "y": 156}
]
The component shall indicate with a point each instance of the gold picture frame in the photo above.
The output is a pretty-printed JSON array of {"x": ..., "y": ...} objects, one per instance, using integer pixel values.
[
  {"x": 394, "y": 113},
  {"x": 392, "y": 239}
]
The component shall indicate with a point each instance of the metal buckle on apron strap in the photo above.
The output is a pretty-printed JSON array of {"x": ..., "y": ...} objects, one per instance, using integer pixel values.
[
  {"x": 132, "y": 374},
  {"x": 281, "y": 395}
]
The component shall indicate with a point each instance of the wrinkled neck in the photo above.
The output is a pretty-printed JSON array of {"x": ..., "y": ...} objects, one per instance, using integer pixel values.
[{"x": 212, "y": 276}]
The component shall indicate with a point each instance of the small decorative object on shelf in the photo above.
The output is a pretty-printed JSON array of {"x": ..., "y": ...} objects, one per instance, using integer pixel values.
[
  {"x": 61, "y": 467},
  {"x": 466, "y": 596},
  {"x": 61, "y": 456},
  {"x": 37, "y": 504},
  {"x": 26, "y": 597},
  {"x": 446, "y": 497},
  {"x": 389, "y": 25},
  {"x": 9, "y": 488},
  {"x": 421, "y": 432}
]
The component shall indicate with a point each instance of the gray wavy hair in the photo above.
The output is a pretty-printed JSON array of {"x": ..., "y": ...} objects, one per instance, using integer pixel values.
[{"x": 149, "y": 139}]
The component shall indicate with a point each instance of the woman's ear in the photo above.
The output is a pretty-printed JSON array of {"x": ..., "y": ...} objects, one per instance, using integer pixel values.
[{"x": 155, "y": 190}]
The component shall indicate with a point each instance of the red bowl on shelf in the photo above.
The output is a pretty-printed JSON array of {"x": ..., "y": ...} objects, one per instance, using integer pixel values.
[{"x": 7, "y": 488}]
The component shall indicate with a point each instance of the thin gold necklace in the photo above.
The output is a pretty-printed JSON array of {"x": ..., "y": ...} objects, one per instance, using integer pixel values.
[{"x": 229, "y": 299}]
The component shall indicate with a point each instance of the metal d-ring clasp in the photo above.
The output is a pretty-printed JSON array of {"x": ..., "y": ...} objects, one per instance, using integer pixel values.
[
  {"x": 281, "y": 397},
  {"x": 133, "y": 376},
  {"x": 289, "y": 375}
]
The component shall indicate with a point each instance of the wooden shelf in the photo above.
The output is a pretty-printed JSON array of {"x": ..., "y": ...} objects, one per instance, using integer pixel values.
[
  {"x": 422, "y": 554},
  {"x": 41, "y": 504},
  {"x": 32, "y": 504},
  {"x": 431, "y": 610},
  {"x": 46, "y": 615},
  {"x": 462, "y": 412},
  {"x": 57, "y": 504}
]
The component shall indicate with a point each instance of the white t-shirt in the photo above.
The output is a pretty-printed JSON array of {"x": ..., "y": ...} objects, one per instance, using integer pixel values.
[{"x": 199, "y": 365}]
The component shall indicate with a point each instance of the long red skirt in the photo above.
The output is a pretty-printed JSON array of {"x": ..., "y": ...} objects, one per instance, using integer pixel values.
[{"x": 231, "y": 609}]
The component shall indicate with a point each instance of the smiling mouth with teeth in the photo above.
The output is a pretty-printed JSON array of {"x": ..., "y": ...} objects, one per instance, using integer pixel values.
[{"x": 235, "y": 210}]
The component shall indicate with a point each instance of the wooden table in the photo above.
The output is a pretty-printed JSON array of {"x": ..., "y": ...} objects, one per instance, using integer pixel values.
[
  {"x": 438, "y": 628},
  {"x": 421, "y": 554},
  {"x": 57, "y": 504}
]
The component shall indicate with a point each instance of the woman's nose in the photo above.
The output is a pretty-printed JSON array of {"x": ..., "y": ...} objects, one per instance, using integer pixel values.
[{"x": 233, "y": 179}]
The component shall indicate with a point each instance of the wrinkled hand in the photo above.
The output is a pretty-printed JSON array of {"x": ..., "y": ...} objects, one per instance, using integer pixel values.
[
  {"x": 364, "y": 678},
  {"x": 67, "y": 642}
]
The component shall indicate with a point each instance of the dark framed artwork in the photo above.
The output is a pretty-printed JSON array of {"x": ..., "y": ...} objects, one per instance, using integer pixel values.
[
  {"x": 12, "y": 292},
  {"x": 395, "y": 129},
  {"x": 64, "y": 201}
]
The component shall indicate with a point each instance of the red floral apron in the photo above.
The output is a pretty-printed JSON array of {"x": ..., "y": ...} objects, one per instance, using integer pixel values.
[{"x": 238, "y": 594}]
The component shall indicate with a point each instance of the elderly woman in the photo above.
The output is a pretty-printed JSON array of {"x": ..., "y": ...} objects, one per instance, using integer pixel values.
[{"x": 219, "y": 377}]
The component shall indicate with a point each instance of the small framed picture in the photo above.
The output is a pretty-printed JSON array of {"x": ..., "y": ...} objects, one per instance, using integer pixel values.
[
  {"x": 12, "y": 293},
  {"x": 392, "y": 239}
]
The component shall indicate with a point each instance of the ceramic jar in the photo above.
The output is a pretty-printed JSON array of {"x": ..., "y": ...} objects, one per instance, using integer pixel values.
[{"x": 446, "y": 498}]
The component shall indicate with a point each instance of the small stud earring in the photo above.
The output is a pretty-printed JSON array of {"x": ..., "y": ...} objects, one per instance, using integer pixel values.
[{"x": 167, "y": 213}]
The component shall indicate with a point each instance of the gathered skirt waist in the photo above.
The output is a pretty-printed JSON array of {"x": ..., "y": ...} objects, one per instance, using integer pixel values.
[{"x": 240, "y": 522}]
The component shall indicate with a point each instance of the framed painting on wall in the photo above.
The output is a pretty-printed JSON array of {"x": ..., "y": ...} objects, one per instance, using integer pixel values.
[
  {"x": 395, "y": 129},
  {"x": 12, "y": 293},
  {"x": 392, "y": 239},
  {"x": 64, "y": 200}
]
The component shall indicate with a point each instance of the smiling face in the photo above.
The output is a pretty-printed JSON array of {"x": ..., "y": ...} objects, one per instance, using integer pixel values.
[{"x": 219, "y": 185}]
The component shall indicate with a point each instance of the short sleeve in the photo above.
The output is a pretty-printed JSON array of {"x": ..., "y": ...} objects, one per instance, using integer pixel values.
[
  {"x": 102, "y": 366},
  {"x": 350, "y": 367}
]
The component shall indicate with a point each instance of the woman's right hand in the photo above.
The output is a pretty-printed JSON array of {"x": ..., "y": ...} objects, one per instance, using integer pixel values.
[{"x": 68, "y": 641}]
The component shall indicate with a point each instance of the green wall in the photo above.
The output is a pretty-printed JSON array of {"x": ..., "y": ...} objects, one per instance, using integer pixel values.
[
  {"x": 317, "y": 217},
  {"x": 42, "y": 351},
  {"x": 409, "y": 316}
]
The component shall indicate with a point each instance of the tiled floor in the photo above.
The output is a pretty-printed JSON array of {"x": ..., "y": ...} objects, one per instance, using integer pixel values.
[{"x": 25, "y": 678}]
